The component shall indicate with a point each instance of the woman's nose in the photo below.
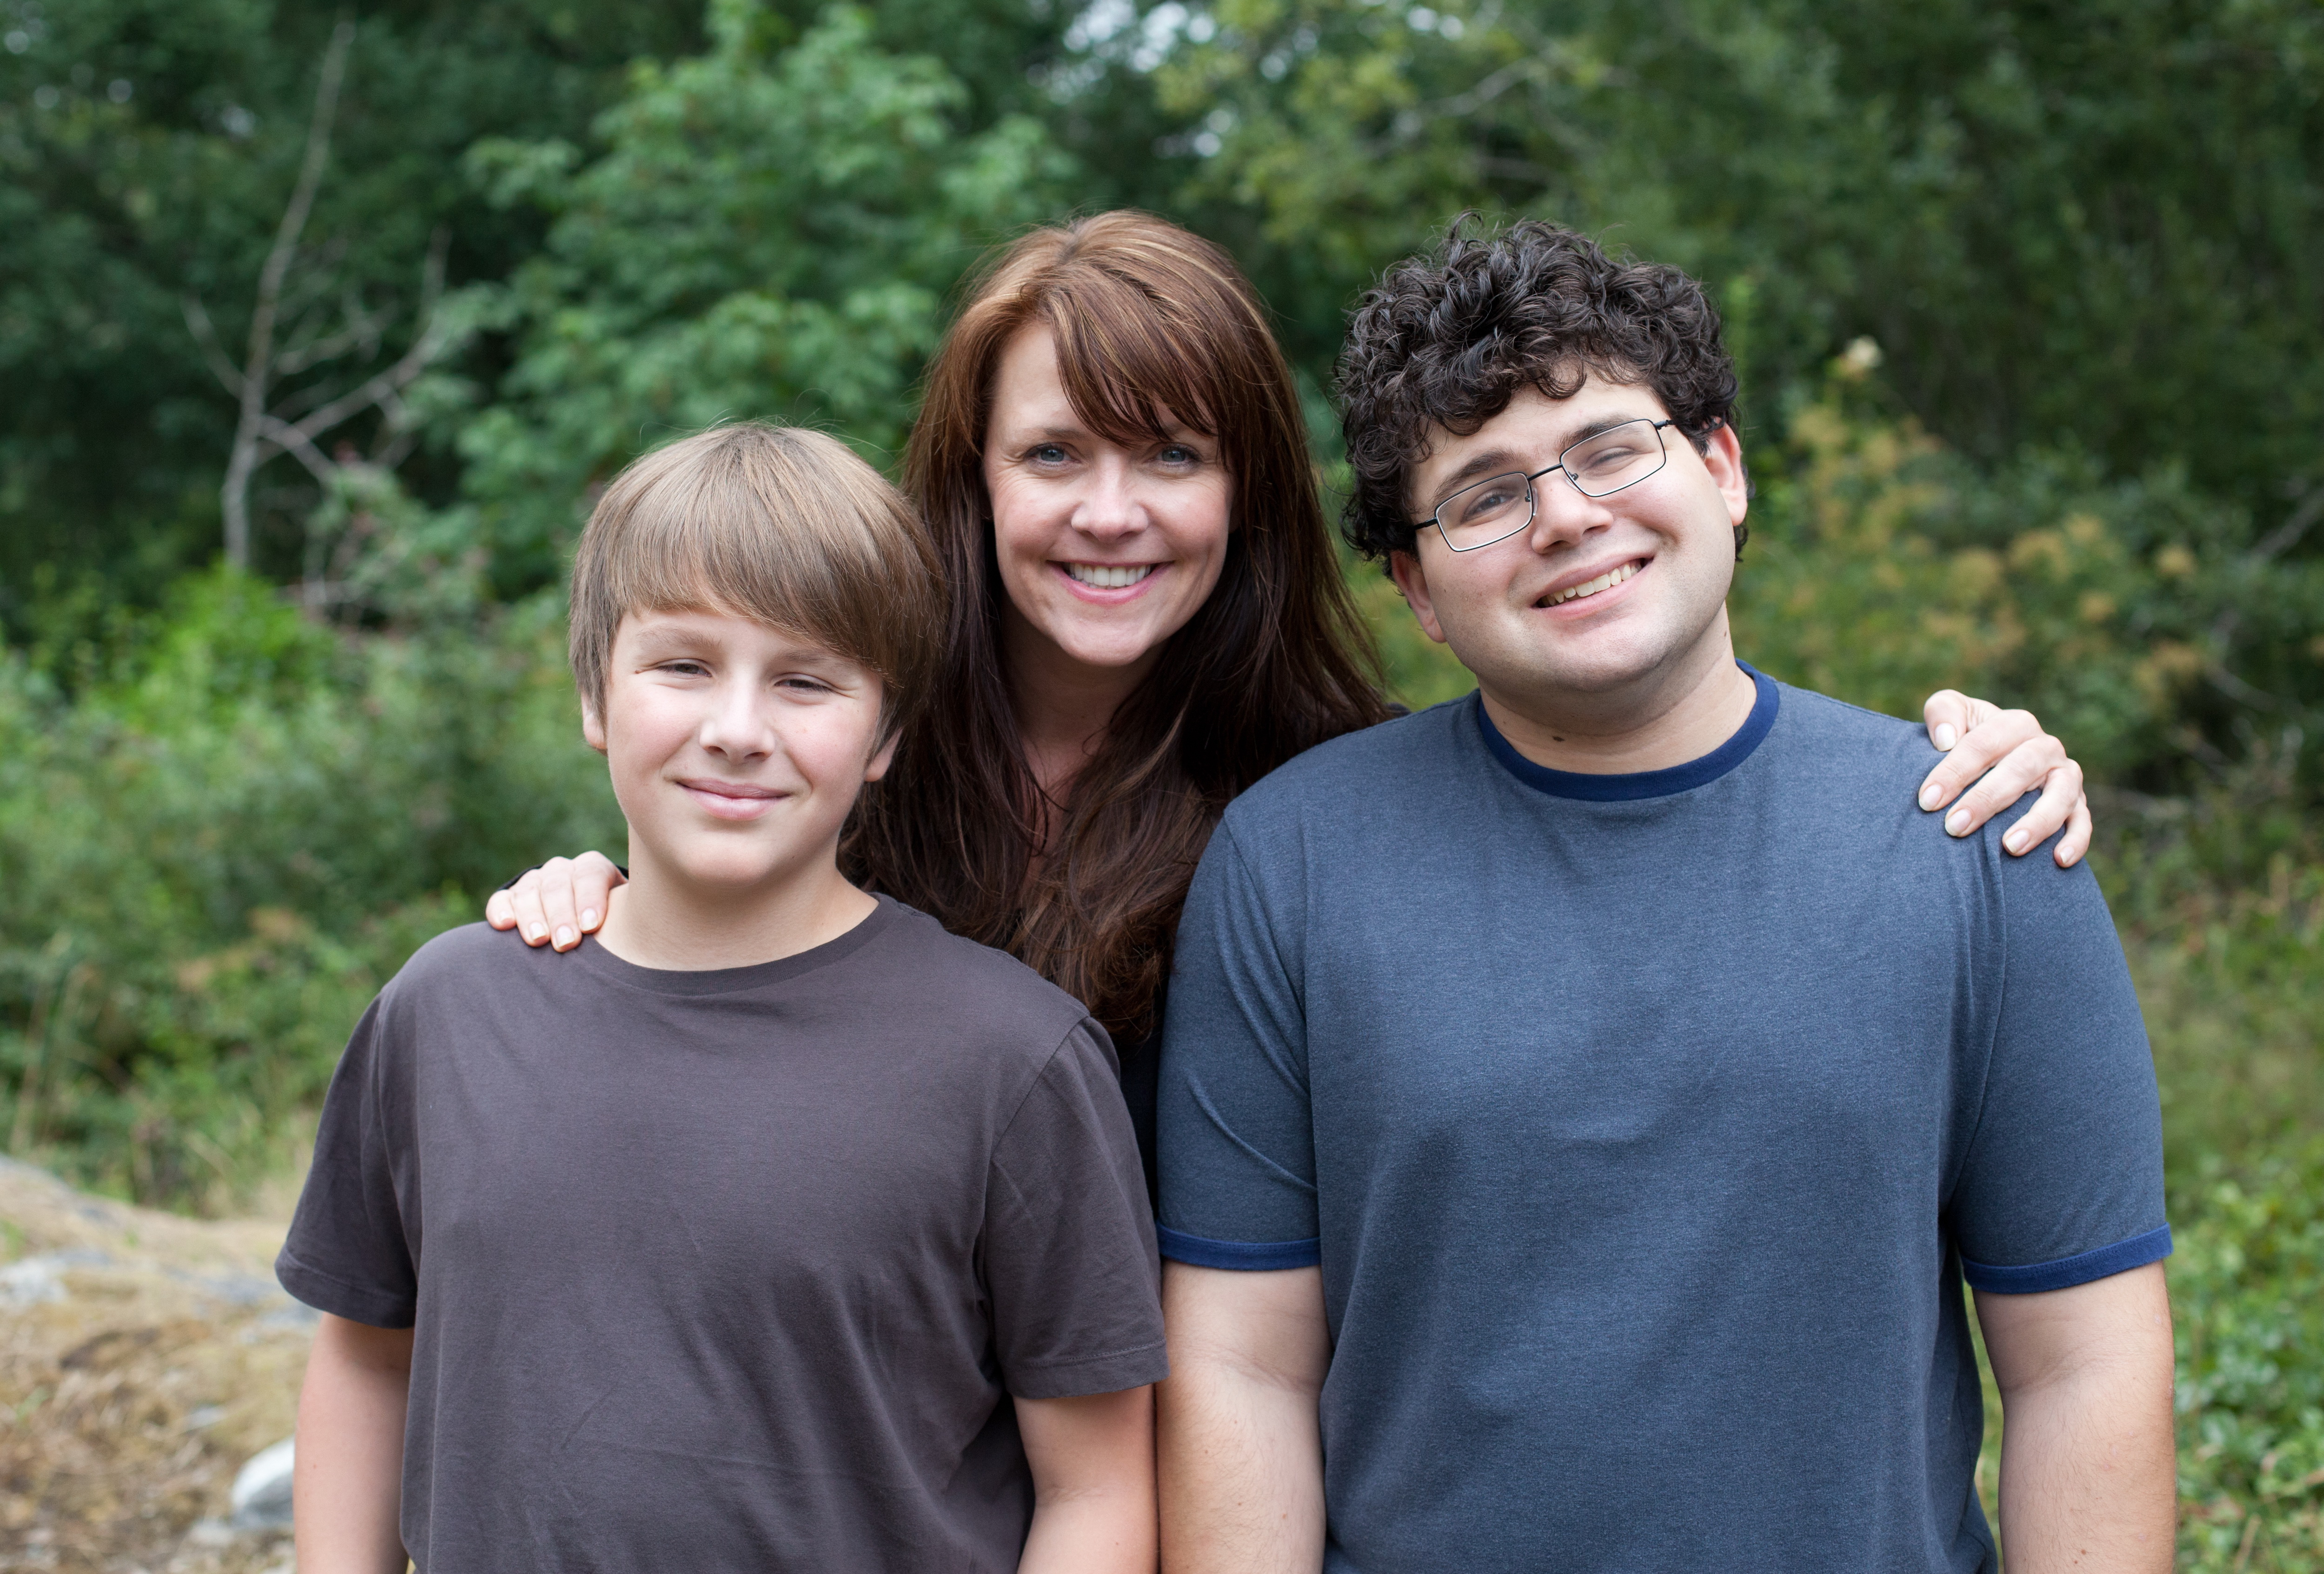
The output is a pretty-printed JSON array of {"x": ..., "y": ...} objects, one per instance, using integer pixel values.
[{"x": 1110, "y": 508}]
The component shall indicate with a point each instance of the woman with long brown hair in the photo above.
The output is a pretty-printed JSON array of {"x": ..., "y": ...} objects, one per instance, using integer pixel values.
[{"x": 1148, "y": 616}]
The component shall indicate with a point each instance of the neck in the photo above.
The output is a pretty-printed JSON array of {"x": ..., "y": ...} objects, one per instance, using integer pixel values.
[
  {"x": 1063, "y": 706},
  {"x": 662, "y": 919},
  {"x": 1680, "y": 711}
]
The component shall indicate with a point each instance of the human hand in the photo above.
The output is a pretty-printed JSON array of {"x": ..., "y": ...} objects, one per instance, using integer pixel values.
[
  {"x": 1999, "y": 756},
  {"x": 558, "y": 903}
]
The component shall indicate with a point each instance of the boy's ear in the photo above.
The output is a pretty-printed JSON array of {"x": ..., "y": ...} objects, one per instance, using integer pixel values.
[{"x": 593, "y": 724}]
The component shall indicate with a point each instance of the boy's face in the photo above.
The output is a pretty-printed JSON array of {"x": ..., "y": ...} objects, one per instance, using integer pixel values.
[
  {"x": 1666, "y": 544},
  {"x": 736, "y": 749}
]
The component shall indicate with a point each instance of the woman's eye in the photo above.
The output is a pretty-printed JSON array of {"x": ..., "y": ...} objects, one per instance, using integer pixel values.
[
  {"x": 1047, "y": 454},
  {"x": 1179, "y": 453}
]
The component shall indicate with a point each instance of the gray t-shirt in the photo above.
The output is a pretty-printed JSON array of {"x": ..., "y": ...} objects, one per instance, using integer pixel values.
[
  {"x": 733, "y": 1269},
  {"x": 1644, "y": 1127}
]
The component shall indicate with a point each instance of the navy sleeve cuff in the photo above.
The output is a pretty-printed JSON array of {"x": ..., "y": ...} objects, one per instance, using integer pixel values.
[
  {"x": 1248, "y": 1256},
  {"x": 2067, "y": 1272}
]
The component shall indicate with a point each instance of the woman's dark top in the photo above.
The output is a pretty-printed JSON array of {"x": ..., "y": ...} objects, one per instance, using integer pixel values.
[{"x": 1140, "y": 1087}]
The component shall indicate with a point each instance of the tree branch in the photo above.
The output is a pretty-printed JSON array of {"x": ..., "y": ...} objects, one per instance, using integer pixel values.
[
  {"x": 258, "y": 364},
  {"x": 198, "y": 323}
]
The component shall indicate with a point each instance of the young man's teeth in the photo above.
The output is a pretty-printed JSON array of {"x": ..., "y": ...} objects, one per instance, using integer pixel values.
[
  {"x": 1107, "y": 578},
  {"x": 1606, "y": 581}
]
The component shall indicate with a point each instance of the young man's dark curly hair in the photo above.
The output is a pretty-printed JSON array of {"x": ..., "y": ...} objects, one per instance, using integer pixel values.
[{"x": 1446, "y": 340}]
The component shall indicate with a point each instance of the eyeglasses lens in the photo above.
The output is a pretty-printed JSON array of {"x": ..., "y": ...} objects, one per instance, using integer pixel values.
[
  {"x": 1486, "y": 511},
  {"x": 1614, "y": 459}
]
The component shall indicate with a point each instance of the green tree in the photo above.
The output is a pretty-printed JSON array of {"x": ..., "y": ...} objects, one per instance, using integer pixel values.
[
  {"x": 2059, "y": 221},
  {"x": 767, "y": 230},
  {"x": 146, "y": 153}
]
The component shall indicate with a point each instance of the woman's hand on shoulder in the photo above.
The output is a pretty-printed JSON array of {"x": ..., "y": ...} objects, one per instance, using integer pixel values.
[
  {"x": 558, "y": 903},
  {"x": 1999, "y": 756}
]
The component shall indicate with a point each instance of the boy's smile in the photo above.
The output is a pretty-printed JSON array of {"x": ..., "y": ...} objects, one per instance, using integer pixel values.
[
  {"x": 736, "y": 750},
  {"x": 731, "y": 800}
]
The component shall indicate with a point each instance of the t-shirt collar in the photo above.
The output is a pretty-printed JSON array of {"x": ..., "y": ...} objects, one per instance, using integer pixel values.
[{"x": 1627, "y": 787}]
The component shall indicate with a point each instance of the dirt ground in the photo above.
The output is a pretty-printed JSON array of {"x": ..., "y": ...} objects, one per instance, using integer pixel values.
[{"x": 143, "y": 1359}]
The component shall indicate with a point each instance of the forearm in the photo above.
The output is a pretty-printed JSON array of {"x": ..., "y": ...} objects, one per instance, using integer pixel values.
[
  {"x": 348, "y": 1483},
  {"x": 1093, "y": 1463},
  {"x": 2089, "y": 1480},
  {"x": 2088, "y": 1474},
  {"x": 1242, "y": 1472},
  {"x": 1091, "y": 1532}
]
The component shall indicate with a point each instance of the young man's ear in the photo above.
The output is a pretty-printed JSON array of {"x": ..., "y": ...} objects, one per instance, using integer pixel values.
[
  {"x": 1404, "y": 567},
  {"x": 593, "y": 724},
  {"x": 1722, "y": 456}
]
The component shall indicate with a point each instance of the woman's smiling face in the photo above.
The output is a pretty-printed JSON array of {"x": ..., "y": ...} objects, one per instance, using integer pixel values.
[{"x": 1106, "y": 550}]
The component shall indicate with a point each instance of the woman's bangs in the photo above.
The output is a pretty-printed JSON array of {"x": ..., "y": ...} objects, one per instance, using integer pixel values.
[{"x": 1126, "y": 366}]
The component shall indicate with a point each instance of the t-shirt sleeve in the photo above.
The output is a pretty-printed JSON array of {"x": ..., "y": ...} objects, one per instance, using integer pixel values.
[
  {"x": 348, "y": 1252},
  {"x": 1069, "y": 1256},
  {"x": 2061, "y": 1182},
  {"x": 1237, "y": 1136}
]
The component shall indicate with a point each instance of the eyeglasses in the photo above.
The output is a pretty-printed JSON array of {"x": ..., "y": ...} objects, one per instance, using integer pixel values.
[{"x": 1496, "y": 508}]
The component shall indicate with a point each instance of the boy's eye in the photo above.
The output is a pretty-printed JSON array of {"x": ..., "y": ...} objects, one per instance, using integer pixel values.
[{"x": 685, "y": 668}]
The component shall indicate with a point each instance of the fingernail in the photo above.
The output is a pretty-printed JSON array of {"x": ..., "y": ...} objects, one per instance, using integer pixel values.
[
  {"x": 1944, "y": 736},
  {"x": 536, "y": 932},
  {"x": 1932, "y": 795},
  {"x": 588, "y": 918},
  {"x": 1957, "y": 823},
  {"x": 564, "y": 936},
  {"x": 2014, "y": 841}
]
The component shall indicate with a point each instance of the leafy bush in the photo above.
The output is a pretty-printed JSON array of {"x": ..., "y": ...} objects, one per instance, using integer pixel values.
[
  {"x": 2142, "y": 623},
  {"x": 214, "y": 855},
  {"x": 2247, "y": 1290}
]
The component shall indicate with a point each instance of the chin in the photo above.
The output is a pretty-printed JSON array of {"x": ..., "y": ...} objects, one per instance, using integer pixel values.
[
  {"x": 1108, "y": 653},
  {"x": 1608, "y": 664},
  {"x": 728, "y": 871}
]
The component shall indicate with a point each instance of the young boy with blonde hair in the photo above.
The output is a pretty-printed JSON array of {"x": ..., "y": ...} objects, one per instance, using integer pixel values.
[{"x": 793, "y": 1232}]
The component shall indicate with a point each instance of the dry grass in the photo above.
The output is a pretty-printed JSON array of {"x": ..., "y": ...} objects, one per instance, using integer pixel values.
[{"x": 128, "y": 1404}]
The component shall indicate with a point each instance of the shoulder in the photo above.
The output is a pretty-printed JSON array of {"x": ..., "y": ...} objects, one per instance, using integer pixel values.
[
  {"x": 470, "y": 957},
  {"x": 972, "y": 988},
  {"x": 1360, "y": 767},
  {"x": 1842, "y": 765},
  {"x": 1851, "y": 748}
]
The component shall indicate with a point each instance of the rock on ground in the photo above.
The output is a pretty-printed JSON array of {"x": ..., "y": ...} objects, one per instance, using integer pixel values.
[{"x": 144, "y": 1359}]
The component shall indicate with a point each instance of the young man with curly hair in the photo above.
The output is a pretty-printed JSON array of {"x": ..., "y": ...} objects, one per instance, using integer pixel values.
[{"x": 1582, "y": 1103}]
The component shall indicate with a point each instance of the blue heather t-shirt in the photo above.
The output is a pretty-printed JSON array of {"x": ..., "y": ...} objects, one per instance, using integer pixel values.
[{"x": 1645, "y": 1127}]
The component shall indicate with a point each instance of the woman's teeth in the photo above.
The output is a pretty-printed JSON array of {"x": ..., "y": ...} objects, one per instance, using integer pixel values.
[
  {"x": 1102, "y": 576},
  {"x": 1606, "y": 581}
]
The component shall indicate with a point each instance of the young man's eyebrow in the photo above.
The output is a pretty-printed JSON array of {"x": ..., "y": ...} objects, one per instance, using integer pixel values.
[{"x": 1491, "y": 462}]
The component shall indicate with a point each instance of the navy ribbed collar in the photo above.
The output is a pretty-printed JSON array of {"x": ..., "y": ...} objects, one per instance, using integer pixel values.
[{"x": 1642, "y": 783}]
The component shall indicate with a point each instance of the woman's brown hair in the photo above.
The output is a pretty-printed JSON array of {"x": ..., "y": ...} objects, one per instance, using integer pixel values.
[{"x": 1148, "y": 319}]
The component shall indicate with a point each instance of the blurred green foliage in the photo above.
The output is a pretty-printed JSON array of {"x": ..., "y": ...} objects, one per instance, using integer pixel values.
[
  {"x": 2024, "y": 296},
  {"x": 218, "y": 848},
  {"x": 766, "y": 231}
]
